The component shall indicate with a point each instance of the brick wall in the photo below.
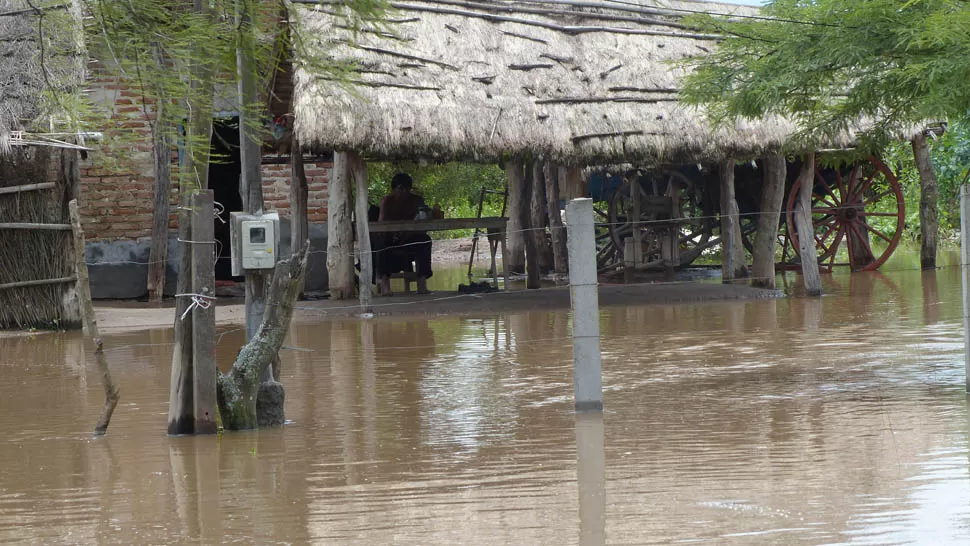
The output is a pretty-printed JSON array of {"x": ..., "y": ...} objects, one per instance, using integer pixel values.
[
  {"x": 117, "y": 183},
  {"x": 276, "y": 189}
]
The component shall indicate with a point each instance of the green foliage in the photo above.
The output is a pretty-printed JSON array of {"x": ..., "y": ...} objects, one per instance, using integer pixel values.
[
  {"x": 951, "y": 156},
  {"x": 457, "y": 187},
  {"x": 829, "y": 63}
]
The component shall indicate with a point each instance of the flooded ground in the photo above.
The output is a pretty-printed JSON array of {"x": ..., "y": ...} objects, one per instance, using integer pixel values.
[{"x": 793, "y": 421}]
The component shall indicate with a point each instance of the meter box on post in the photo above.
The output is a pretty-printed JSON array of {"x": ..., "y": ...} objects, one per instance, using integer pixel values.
[{"x": 254, "y": 241}]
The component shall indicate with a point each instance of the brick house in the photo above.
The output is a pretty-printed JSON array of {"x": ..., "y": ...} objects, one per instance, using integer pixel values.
[{"x": 117, "y": 199}]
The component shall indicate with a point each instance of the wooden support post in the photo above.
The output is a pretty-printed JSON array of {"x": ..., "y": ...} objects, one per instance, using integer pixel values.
[
  {"x": 552, "y": 174},
  {"x": 532, "y": 246},
  {"x": 539, "y": 218},
  {"x": 506, "y": 271},
  {"x": 584, "y": 301},
  {"x": 763, "y": 272},
  {"x": 637, "y": 208},
  {"x": 515, "y": 234},
  {"x": 729, "y": 219},
  {"x": 358, "y": 170},
  {"x": 965, "y": 275},
  {"x": 572, "y": 183},
  {"x": 158, "y": 255},
  {"x": 629, "y": 263},
  {"x": 203, "y": 314},
  {"x": 671, "y": 239},
  {"x": 804, "y": 227},
  {"x": 90, "y": 322},
  {"x": 340, "y": 235},
  {"x": 929, "y": 216},
  {"x": 299, "y": 221}
]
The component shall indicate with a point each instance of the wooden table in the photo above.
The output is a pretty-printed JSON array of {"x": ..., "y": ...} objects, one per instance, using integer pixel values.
[{"x": 450, "y": 224}]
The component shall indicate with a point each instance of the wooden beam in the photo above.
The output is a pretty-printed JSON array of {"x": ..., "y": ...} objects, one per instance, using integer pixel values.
[
  {"x": 29, "y": 225},
  {"x": 42, "y": 282},
  {"x": 299, "y": 223},
  {"x": 27, "y": 187}
]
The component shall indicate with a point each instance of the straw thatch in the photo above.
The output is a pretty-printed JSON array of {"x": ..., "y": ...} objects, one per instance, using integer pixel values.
[
  {"x": 40, "y": 63},
  {"x": 588, "y": 82}
]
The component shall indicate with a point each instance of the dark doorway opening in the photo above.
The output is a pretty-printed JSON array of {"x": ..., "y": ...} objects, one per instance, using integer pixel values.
[{"x": 224, "y": 172}]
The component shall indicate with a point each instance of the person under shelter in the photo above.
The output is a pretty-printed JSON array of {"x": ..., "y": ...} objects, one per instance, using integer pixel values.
[{"x": 399, "y": 250}]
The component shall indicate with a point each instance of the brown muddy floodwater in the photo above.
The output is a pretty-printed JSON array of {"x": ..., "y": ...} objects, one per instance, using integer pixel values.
[{"x": 795, "y": 421}]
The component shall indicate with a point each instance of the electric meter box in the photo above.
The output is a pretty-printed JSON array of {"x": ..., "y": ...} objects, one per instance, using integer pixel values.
[{"x": 255, "y": 241}]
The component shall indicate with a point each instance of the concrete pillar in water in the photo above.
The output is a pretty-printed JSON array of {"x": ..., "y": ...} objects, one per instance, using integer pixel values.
[
  {"x": 591, "y": 478},
  {"x": 584, "y": 300},
  {"x": 965, "y": 274}
]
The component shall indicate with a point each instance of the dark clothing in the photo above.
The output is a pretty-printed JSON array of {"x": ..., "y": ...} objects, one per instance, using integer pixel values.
[
  {"x": 398, "y": 206},
  {"x": 399, "y": 250}
]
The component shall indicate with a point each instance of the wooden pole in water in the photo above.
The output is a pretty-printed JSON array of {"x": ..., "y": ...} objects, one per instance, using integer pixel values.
[
  {"x": 531, "y": 243},
  {"x": 584, "y": 300},
  {"x": 340, "y": 232},
  {"x": 763, "y": 271},
  {"x": 299, "y": 222},
  {"x": 515, "y": 173},
  {"x": 553, "y": 179},
  {"x": 804, "y": 228},
  {"x": 90, "y": 321},
  {"x": 965, "y": 270},
  {"x": 358, "y": 170},
  {"x": 929, "y": 215},
  {"x": 203, "y": 314}
]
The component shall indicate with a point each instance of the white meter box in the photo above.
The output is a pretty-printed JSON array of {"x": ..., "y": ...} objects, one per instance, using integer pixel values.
[{"x": 255, "y": 241}]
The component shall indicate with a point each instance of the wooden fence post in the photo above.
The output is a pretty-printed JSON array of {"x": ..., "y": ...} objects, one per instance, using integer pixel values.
[{"x": 203, "y": 314}]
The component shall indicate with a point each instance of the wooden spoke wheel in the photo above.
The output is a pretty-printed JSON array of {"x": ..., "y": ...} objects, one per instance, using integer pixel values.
[
  {"x": 858, "y": 215},
  {"x": 668, "y": 201}
]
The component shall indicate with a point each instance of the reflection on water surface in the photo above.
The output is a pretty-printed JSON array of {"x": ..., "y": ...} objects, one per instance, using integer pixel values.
[{"x": 840, "y": 420}]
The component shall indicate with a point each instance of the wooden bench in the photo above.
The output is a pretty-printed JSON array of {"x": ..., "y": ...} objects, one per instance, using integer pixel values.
[{"x": 408, "y": 277}]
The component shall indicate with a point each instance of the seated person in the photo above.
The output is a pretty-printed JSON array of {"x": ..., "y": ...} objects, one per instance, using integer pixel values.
[{"x": 398, "y": 250}]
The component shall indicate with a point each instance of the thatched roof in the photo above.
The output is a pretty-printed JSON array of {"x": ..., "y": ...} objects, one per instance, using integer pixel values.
[
  {"x": 40, "y": 51},
  {"x": 581, "y": 81}
]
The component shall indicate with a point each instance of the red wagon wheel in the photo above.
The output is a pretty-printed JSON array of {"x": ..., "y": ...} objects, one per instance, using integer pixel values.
[{"x": 862, "y": 207}]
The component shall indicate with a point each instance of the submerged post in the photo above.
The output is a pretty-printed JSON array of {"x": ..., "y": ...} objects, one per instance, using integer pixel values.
[
  {"x": 965, "y": 274},
  {"x": 584, "y": 300}
]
